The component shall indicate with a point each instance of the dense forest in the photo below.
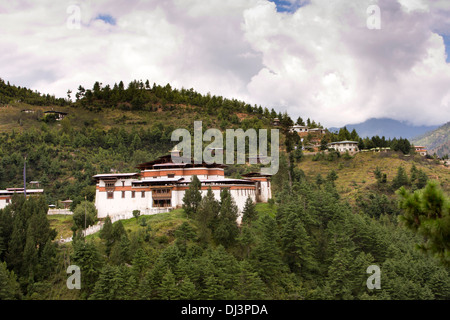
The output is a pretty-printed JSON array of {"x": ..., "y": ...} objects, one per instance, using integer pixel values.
[{"x": 308, "y": 244}]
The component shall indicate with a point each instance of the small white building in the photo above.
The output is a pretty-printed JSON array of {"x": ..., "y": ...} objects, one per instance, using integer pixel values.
[
  {"x": 421, "y": 150},
  {"x": 299, "y": 129},
  {"x": 6, "y": 195},
  {"x": 344, "y": 146}
]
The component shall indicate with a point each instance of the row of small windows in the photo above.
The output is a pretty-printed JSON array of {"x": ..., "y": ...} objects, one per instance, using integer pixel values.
[
  {"x": 245, "y": 192},
  {"x": 110, "y": 194}
]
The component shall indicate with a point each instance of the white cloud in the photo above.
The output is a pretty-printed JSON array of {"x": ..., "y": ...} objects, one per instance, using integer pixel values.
[
  {"x": 320, "y": 62},
  {"x": 324, "y": 63}
]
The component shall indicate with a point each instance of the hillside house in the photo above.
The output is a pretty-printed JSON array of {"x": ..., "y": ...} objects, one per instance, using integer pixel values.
[
  {"x": 421, "y": 150},
  {"x": 344, "y": 146},
  {"x": 303, "y": 131},
  {"x": 57, "y": 114},
  {"x": 6, "y": 195}
]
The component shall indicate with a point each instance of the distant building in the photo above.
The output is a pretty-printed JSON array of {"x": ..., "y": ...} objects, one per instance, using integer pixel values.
[
  {"x": 304, "y": 131},
  {"x": 344, "y": 146},
  {"x": 58, "y": 115},
  {"x": 317, "y": 131},
  {"x": 67, "y": 203},
  {"x": 6, "y": 195},
  {"x": 276, "y": 122},
  {"x": 299, "y": 129},
  {"x": 421, "y": 150}
]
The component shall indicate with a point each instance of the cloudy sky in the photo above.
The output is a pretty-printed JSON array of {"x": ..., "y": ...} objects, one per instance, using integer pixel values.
[{"x": 337, "y": 62}]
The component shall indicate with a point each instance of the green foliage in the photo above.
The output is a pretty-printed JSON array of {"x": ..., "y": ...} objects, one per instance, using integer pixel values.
[
  {"x": 84, "y": 215},
  {"x": 192, "y": 197},
  {"x": 136, "y": 213},
  {"x": 225, "y": 226},
  {"x": 401, "y": 179},
  {"x": 9, "y": 287},
  {"x": 114, "y": 283},
  {"x": 249, "y": 211},
  {"x": 87, "y": 257},
  {"x": 206, "y": 215},
  {"x": 427, "y": 212}
]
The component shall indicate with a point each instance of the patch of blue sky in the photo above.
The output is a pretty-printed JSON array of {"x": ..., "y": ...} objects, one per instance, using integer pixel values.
[
  {"x": 106, "y": 18},
  {"x": 447, "y": 46},
  {"x": 289, "y": 6}
]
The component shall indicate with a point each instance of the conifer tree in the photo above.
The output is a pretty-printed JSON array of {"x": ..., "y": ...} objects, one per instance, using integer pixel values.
[
  {"x": 207, "y": 213},
  {"x": 401, "y": 179},
  {"x": 226, "y": 229},
  {"x": 87, "y": 257},
  {"x": 192, "y": 197},
  {"x": 250, "y": 285},
  {"x": 266, "y": 256},
  {"x": 187, "y": 289},
  {"x": 114, "y": 283},
  {"x": 249, "y": 212},
  {"x": 169, "y": 290},
  {"x": 296, "y": 245},
  {"x": 106, "y": 234},
  {"x": 427, "y": 212},
  {"x": 9, "y": 287}
]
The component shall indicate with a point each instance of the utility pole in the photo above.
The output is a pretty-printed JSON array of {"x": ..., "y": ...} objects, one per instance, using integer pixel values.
[
  {"x": 85, "y": 219},
  {"x": 25, "y": 177}
]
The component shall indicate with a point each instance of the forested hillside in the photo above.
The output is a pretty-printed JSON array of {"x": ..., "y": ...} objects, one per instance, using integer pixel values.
[{"x": 330, "y": 218}]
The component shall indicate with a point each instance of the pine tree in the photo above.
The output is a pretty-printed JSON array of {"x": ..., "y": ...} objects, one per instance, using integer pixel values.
[
  {"x": 9, "y": 287},
  {"x": 250, "y": 285},
  {"x": 249, "y": 213},
  {"x": 226, "y": 229},
  {"x": 427, "y": 212},
  {"x": 169, "y": 290},
  {"x": 296, "y": 245},
  {"x": 192, "y": 197},
  {"x": 206, "y": 216},
  {"x": 114, "y": 283},
  {"x": 401, "y": 179},
  {"x": 183, "y": 234},
  {"x": 87, "y": 257},
  {"x": 266, "y": 256},
  {"x": 187, "y": 289},
  {"x": 106, "y": 234}
]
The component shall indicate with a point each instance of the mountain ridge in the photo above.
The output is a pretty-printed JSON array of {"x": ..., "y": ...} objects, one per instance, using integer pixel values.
[
  {"x": 389, "y": 128},
  {"x": 436, "y": 141}
]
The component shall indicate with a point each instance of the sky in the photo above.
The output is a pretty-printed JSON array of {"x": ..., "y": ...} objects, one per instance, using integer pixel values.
[{"x": 337, "y": 62}]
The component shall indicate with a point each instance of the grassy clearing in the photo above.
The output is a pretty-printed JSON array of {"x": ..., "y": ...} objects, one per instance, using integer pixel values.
[
  {"x": 357, "y": 174},
  {"x": 62, "y": 224}
]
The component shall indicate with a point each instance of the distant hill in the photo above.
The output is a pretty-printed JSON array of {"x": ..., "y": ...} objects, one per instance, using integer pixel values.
[
  {"x": 436, "y": 141},
  {"x": 388, "y": 128}
]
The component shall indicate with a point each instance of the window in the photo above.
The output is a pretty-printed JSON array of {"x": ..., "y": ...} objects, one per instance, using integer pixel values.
[
  {"x": 123, "y": 194},
  {"x": 109, "y": 184},
  {"x": 170, "y": 175},
  {"x": 110, "y": 195},
  {"x": 7, "y": 200},
  {"x": 143, "y": 194},
  {"x": 123, "y": 183},
  {"x": 133, "y": 194},
  {"x": 161, "y": 203}
]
